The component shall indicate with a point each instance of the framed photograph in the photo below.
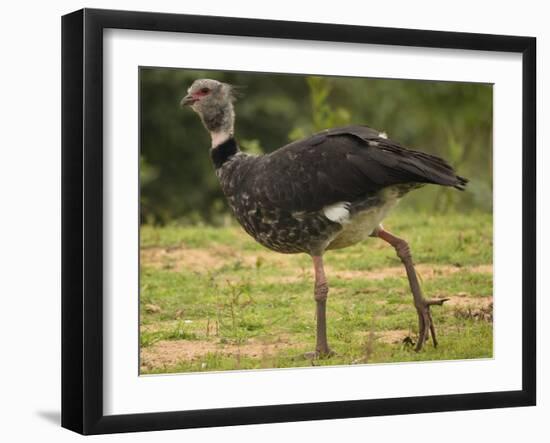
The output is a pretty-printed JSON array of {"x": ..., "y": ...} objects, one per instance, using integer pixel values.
[{"x": 269, "y": 221}]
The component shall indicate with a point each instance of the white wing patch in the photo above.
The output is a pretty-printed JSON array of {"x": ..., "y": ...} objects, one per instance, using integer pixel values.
[
  {"x": 338, "y": 212},
  {"x": 383, "y": 135}
]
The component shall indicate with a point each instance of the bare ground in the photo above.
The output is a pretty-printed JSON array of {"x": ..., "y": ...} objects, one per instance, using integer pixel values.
[
  {"x": 394, "y": 336},
  {"x": 199, "y": 260},
  {"x": 170, "y": 352}
]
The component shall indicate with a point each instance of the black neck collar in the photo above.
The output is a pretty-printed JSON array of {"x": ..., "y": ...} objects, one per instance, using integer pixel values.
[{"x": 223, "y": 152}]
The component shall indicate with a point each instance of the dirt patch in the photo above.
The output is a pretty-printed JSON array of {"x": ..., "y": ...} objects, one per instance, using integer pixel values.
[
  {"x": 201, "y": 260},
  {"x": 170, "y": 352},
  {"x": 178, "y": 258},
  {"x": 392, "y": 337},
  {"x": 425, "y": 272},
  {"x": 217, "y": 256},
  {"x": 152, "y": 308},
  {"x": 461, "y": 301},
  {"x": 472, "y": 308}
]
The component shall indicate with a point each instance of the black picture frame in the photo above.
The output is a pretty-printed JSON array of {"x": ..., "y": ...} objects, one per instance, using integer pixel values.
[{"x": 82, "y": 219}]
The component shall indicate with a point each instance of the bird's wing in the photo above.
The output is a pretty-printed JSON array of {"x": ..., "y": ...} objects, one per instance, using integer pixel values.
[{"x": 343, "y": 164}]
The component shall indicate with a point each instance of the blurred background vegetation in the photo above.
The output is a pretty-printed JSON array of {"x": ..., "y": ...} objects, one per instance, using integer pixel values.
[{"x": 178, "y": 185}]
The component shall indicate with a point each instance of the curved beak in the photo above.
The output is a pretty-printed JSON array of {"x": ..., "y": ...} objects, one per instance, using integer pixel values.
[{"x": 187, "y": 100}]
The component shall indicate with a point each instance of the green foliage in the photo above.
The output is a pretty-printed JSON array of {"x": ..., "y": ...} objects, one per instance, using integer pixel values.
[
  {"x": 231, "y": 304},
  {"x": 450, "y": 119},
  {"x": 323, "y": 115}
]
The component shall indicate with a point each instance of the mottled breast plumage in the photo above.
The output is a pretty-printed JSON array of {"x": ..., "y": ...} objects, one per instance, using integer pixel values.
[{"x": 274, "y": 227}]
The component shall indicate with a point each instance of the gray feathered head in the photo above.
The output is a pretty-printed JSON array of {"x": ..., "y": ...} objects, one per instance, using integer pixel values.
[{"x": 213, "y": 101}]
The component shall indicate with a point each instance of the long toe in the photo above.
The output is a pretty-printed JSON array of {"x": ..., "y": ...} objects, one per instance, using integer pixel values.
[
  {"x": 426, "y": 325},
  {"x": 319, "y": 355}
]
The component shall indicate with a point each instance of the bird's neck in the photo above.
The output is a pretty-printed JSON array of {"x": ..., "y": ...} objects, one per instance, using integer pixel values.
[
  {"x": 222, "y": 152},
  {"x": 219, "y": 120}
]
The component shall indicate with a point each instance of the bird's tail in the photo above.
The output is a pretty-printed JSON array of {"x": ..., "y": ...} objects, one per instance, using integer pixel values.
[
  {"x": 434, "y": 169},
  {"x": 461, "y": 183}
]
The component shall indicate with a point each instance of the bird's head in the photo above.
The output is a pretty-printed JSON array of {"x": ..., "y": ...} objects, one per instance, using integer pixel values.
[
  {"x": 213, "y": 101},
  {"x": 206, "y": 93}
]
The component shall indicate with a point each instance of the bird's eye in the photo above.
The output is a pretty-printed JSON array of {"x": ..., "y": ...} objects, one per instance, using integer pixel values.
[{"x": 205, "y": 90}]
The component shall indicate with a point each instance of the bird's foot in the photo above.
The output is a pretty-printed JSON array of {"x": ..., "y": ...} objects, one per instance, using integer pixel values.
[
  {"x": 319, "y": 354},
  {"x": 425, "y": 321}
]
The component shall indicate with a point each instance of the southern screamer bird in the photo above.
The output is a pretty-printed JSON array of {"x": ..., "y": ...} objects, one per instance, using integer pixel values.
[{"x": 327, "y": 191}]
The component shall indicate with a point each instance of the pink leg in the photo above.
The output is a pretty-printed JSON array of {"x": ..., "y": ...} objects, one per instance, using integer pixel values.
[
  {"x": 320, "y": 295},
  {"x": 425, "y": 321}
]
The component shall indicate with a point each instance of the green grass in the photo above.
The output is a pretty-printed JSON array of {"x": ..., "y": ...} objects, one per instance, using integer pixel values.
[{"x": 213, "y": 299}]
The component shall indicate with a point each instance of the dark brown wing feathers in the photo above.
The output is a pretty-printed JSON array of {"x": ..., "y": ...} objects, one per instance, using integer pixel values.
[{"x": 343, "y": 164}]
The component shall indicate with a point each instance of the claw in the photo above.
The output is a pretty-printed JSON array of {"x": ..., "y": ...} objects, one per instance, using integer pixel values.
[
  {"x": 317, "y": 355},
  {"x": 426, "y": 323}
]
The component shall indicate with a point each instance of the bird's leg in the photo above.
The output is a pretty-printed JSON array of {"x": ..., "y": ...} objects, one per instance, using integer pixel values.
[
  {"x": 425, "y": 321},
  {"x": 320, "y": 294}
]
